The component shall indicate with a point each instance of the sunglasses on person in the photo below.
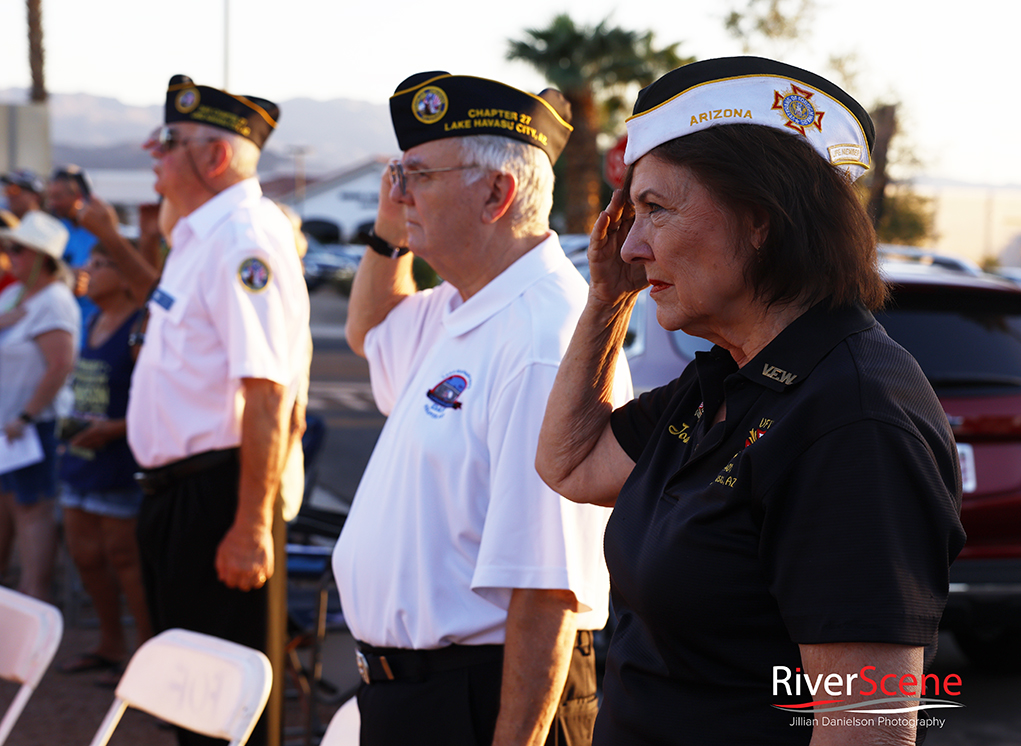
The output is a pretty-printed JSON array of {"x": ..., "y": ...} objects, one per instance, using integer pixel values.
[{"x": 167, "y": 138}]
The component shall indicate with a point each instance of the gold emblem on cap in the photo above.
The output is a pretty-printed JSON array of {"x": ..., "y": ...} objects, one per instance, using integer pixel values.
[
  {"x": 187, "y": 100},
  {"x": 429, "y": 105},
  {"x": 796, "y": 105}
]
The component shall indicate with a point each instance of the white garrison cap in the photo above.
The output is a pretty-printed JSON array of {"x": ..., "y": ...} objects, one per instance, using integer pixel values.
[{"x": 753, "y": 90}]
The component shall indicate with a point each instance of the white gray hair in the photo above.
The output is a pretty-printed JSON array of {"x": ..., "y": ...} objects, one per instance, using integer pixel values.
[
  {"x": 532, "y": 171},
  {"x": 245, "y": 154}
]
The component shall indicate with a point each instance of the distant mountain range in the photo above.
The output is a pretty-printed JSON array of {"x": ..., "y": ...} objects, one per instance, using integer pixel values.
[{"x": 100, "y": 132}]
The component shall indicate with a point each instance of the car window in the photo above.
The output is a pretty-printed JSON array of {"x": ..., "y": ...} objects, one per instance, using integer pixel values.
[
  {"x": 634, "y": 340},
  {"x": 688, "y": 345},
  {"x": 960, "y": 337}
]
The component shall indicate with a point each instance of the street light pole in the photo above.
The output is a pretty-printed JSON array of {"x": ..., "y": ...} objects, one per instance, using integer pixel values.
[
  {"x": 299, "y": 152},
  {"x": 226, "y": 44}
]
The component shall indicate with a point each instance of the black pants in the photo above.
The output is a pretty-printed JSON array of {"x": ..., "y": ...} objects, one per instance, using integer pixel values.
[
  {"x": 179, "y": 530},
  {"x": 460, "y": 707}
]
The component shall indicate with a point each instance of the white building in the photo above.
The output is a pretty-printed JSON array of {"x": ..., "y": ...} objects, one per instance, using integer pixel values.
[
  {"x": 126, "y": 190},
  {"x": 348, "y": 199}
]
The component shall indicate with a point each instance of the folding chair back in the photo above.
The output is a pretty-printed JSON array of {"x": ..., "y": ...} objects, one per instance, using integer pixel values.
[
  {"x": 30, "y": 632},
  {"x": 202, "y": 683},
  {"x": 345, "y": 726}
]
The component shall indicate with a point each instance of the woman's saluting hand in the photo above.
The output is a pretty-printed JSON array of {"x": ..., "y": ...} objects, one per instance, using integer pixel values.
[{"x": 611, "y": 277}]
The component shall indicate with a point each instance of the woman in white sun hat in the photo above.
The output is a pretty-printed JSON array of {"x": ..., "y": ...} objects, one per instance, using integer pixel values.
[{"x": 39, "y": 329}]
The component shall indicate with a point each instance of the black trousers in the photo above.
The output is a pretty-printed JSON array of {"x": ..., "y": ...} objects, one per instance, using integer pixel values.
[
  {"x": 460, "y": 707},
  {"x": 179, "y": 530}
]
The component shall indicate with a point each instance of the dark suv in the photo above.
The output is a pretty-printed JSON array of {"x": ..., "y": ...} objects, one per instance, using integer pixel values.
[
  {"x": 964, "y": 328},
  {"x": 965, "y": 332}
]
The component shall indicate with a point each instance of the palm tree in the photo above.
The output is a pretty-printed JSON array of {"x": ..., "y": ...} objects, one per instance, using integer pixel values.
[
  {"x": 35, "y": 50},
  {"x": 595, "y": 69}
]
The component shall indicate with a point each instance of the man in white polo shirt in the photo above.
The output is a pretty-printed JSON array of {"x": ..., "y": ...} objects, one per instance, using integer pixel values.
[
  {"x": 215, "y": 384},
  {"x": 471, "y": 587}
]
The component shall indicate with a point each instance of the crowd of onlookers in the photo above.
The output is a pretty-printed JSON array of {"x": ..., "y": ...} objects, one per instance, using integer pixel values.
[{"x": 67, "y": 320}]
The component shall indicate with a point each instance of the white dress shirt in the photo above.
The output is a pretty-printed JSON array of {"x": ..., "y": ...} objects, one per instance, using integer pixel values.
[{"x": 231, "y": 304}]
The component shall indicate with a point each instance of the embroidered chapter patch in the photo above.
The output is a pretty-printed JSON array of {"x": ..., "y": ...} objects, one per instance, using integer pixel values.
[
  {"x": 429, "y": 104},
  {"x": 254, "y": 274}
]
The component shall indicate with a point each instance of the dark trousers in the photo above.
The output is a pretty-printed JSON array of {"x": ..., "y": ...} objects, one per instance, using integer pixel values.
[
  {"x": 460, "y": 707},
  {"x": 179, "y": 530}
]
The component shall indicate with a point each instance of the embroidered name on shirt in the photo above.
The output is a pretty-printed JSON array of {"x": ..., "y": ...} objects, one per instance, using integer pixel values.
[
  {"x": 777, "y": 374},
  {"x": 681, "y": 433}
]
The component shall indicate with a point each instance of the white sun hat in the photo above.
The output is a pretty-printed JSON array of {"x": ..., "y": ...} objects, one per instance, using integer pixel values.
[{"x": 39, "y": 232}]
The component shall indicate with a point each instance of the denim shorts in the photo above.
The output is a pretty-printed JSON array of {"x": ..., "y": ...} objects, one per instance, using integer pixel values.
[
  {"x": 123, "y": 503},
  {"x": 35, "y": 481}
]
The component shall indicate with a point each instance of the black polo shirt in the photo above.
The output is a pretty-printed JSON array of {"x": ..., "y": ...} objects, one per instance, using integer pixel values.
[{"x": 824, "y": 508}]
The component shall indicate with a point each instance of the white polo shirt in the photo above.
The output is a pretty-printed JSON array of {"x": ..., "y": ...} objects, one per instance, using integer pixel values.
[
  {"x": 450, "y": 515},
  {"x": 231, "y": 304}
]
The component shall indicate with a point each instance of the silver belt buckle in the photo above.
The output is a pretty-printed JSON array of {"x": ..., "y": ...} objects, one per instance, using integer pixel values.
[{"x": 363, "y": 667}]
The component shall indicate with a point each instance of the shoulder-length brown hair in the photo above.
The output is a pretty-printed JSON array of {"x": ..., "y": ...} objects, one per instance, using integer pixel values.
[{"x": 820, "y": 243}]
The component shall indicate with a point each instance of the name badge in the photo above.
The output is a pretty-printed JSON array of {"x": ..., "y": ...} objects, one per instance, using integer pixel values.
[{"x": 162, "y": 298}]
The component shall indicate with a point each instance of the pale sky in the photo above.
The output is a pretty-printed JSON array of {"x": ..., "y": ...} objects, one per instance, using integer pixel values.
[{"x": 954, "y": 69}]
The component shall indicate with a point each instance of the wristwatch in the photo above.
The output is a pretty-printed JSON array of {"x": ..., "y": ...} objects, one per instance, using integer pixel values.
[
  {"x": 25, "y": 417},
  {"x": 383, "y": 248}
]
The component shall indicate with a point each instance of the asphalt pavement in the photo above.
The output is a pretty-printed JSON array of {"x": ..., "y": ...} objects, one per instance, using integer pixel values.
[{"x": 340, "y": 395}]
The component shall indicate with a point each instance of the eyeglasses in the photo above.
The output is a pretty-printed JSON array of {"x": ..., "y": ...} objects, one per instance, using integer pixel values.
[
  {"x": 15, "y": 248},
  {"x": 400, "y": 177},
  {"x": 94, "y": 263},
  {"x": 166, "y": 139}
]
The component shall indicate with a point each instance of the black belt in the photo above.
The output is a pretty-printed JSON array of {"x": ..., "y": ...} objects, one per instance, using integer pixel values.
[
  {"x": 156, "y": 480},
  {"x": 392, "y": 664},
  {"x": 403, "y": 664}
]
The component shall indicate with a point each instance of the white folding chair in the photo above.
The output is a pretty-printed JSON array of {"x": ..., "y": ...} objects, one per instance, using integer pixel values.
[
  {"x": 344, "y": 728},
  {"x": 30, "y": 632},
  {"x": 202, "y": 683}
]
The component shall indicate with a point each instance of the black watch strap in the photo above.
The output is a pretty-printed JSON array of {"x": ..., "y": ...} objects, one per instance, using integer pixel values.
[
  {"x": 25, "y": 417},
  {"x": 383, "y": 248}
]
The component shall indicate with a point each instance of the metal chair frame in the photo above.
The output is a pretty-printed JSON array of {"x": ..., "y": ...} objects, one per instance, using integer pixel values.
[
  {"x": 195, "y": 681},
  {"x": 30, "y": 632}
]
